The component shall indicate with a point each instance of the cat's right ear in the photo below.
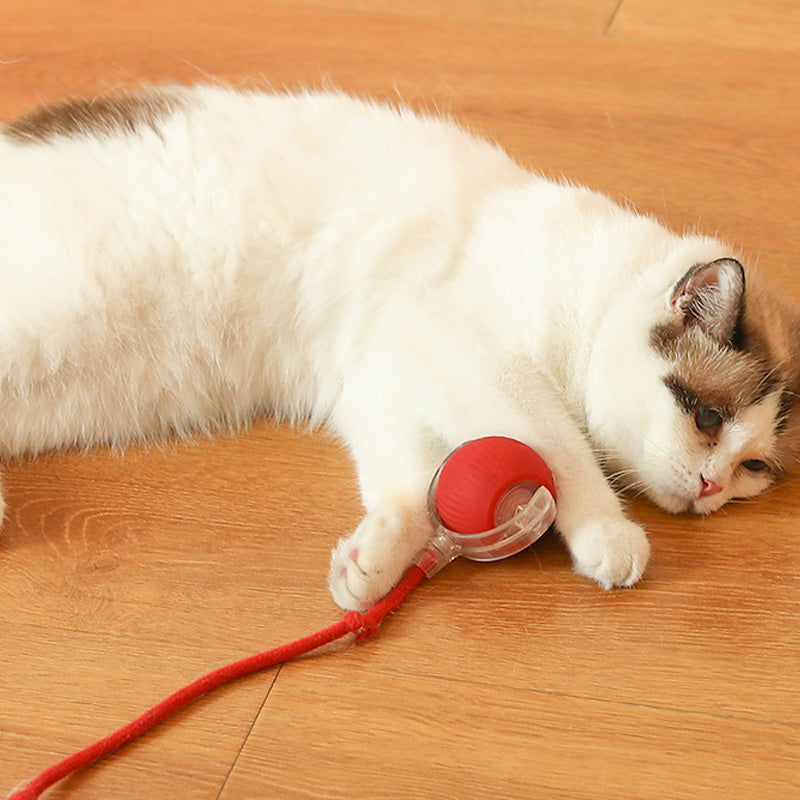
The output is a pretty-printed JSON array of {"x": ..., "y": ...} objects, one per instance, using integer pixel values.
[{"x": 712, "y": 296}]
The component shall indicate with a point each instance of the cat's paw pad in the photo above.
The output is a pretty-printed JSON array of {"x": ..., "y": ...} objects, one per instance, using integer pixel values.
[
  {"x": 365, "y": 565},
  {"x": 612, "y": 552}
]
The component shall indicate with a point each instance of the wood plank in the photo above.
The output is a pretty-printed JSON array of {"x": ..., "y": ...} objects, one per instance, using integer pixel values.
[
  {"x": 771, "y": 25},
  {"x": 395, "y": 736},
  {"x": 574, "y": 16},
  {"x": 217, "y": 539}
]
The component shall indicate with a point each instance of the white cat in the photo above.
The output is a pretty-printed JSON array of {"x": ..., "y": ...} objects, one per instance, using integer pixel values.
[{"x": 190, "y": 257}]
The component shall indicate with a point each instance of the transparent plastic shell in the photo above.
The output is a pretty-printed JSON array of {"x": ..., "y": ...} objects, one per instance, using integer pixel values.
[{"x": 524, "y": 514}]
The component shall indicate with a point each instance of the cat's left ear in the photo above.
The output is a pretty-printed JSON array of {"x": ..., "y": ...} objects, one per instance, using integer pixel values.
[{"x": 711, "y": 296}]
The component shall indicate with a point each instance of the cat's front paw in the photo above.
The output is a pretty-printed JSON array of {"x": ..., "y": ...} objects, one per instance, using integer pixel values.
[
  {"x": 613, "y": 552},
  {"x": 366, "y": 565},
  {"x": 355, "y": 581}
]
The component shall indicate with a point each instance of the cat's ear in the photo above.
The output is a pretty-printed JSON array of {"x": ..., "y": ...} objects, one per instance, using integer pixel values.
[{"x": 711, "y": 296}]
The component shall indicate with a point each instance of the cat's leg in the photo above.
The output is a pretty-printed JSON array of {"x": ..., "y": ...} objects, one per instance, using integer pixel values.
[
  {"x": 605, "y": 545},
  {"x": 394, "y": 465}
]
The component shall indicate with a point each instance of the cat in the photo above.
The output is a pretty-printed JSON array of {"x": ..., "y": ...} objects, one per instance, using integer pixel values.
[{"x": 185, "y": 258}]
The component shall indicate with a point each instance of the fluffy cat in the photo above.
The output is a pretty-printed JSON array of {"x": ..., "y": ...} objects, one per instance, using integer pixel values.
[{"x": 187, "y": 258}]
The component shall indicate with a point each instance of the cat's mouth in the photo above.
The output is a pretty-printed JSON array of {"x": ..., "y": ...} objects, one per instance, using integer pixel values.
[{"x": 676, "y": 502}]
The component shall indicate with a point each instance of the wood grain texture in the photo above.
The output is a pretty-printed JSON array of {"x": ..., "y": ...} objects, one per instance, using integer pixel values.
[
  {"x": 90, "y": 684},
  {"x": 771, "y": 25},
  {"x": 125, "y": 575},
  {"x": 471, "y": 739},
  {"x": 574, "y": 16}
]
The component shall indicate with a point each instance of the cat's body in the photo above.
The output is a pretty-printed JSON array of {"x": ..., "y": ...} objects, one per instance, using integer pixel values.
[{"x": 194, "y": 257}]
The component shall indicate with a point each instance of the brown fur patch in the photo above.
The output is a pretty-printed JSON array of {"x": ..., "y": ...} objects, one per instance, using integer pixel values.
[
  {"x": 766, "y": 359},
  {"x": 720, "y": 377},
  {"x": 771, "y": 330},
  {"x": 103, "y": 116}
]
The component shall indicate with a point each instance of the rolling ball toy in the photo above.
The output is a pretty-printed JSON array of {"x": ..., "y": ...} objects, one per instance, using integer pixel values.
[{"x": 491, "y": 498}]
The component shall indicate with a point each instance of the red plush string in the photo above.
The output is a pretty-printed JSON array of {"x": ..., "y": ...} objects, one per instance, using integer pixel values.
[{"x": 362, "y": 625}]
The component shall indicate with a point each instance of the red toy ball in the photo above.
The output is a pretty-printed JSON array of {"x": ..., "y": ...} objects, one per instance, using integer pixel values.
[{"x": 485, "y": 481}]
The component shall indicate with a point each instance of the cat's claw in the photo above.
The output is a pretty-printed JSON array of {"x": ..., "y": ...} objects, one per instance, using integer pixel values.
[{"x": 612, "y": 552}]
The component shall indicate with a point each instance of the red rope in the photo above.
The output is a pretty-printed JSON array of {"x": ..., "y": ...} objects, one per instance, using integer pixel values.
[{"x": 362, "y": 625}]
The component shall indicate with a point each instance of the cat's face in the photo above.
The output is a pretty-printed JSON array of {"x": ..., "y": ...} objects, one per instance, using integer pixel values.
[{"x": 716, "y": 419}]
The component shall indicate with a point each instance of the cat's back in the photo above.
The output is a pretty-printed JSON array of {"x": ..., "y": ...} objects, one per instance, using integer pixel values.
[
  {"x": 221, "y": 171},
  {"x": 314, "y": 138}
]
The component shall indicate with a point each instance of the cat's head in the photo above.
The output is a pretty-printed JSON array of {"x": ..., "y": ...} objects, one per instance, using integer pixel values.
[{"x": 718, "y": 409}]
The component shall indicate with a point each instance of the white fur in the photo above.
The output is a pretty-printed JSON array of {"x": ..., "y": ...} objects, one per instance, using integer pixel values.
[{"x": 315, "y": 255}]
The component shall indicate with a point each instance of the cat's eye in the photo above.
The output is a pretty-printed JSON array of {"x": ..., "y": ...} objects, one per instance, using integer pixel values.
[
  {"x": 707, "y": 418},
  {"x": 754, "y": 465}
]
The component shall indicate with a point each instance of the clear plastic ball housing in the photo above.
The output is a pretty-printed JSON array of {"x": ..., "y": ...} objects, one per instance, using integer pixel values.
[{"x": 521, "y": 511}]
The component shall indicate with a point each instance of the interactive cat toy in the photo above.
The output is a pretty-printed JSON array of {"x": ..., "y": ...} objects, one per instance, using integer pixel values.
[{"x": 491, "y": 498}]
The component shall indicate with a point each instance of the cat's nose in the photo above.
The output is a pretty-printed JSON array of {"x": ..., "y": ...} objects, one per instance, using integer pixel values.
[{"x": 709, "y": 487}]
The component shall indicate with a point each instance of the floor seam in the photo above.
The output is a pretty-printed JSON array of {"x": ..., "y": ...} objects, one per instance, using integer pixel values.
[
  {"x": 613, "y": 18},
  {"x": 249, "y": 732}
]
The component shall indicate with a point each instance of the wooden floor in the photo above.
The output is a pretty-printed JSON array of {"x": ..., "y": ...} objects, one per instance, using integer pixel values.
[{"x": 123, "y": 576}]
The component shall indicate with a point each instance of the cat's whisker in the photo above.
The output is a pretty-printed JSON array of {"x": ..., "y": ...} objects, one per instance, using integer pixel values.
[{"x": 639, "y": 489}]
